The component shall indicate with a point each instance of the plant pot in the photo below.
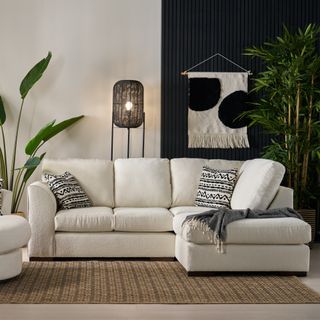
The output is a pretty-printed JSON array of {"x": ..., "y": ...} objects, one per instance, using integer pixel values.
[
  {"x": 21, "y": 214},
  {"x": 309, "y": 216}
]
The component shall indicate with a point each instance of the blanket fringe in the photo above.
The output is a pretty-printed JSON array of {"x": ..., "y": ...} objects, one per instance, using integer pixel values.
[
  {"x": 218, "y": 141},
  {"x": 196, "y": 224}
]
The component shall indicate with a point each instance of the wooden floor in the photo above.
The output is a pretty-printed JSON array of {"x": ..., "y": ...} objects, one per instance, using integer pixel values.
[{"x": 185, "y": 312}]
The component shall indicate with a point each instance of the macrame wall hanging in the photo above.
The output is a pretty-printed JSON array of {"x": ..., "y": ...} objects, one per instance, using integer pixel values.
[{"x": 216, "y": 99}]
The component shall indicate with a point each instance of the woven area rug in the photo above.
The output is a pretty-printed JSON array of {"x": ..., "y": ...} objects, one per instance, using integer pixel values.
[{"x": 144, "y": 282}]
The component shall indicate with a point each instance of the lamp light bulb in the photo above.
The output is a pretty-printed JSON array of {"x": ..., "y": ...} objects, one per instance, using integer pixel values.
[{"x": 128, "y": 105}]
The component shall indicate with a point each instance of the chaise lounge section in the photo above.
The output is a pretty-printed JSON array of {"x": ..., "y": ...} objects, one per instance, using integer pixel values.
[{"x": 139, "y": 208}]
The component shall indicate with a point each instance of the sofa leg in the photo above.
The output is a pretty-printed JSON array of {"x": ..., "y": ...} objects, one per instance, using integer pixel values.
[
  {"x": 41, "y": 259},
  {"x": 301, "y": 274}
]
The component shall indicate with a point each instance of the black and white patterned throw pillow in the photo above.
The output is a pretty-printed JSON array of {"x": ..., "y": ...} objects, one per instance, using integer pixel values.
[
  {"x": 215, "y": 188},
  {"x": 67, "y": 191}
]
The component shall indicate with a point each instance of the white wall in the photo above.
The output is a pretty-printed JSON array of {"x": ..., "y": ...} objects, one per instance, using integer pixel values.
[{"x": 94, "y": 44}]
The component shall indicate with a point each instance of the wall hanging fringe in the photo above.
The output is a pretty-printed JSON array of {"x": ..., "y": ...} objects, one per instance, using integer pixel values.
[{"x": 184, "y": 73}]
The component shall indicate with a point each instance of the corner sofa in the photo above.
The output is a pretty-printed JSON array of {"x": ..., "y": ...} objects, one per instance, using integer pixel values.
[{"x": 139, "y": 207}]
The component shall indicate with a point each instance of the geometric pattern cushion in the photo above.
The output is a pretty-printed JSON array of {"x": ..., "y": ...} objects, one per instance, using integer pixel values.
[
  {"x": 215, "y": 188},
  {"x": 67, "y": 191}
]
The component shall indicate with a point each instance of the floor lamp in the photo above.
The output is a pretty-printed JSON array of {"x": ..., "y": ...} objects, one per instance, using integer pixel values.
[{"x": 127, "y": 109}]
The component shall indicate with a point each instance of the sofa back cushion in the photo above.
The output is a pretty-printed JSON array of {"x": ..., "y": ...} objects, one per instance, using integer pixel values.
[
  {"x": 185, "y": 177},
  {"x": 259, "y": 181},
  {"x": 142, "y": 183},
  {"x": 95, "y": 177}
]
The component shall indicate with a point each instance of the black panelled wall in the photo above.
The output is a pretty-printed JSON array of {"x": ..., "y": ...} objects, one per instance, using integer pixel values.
[{"x": 193, "y": 30}]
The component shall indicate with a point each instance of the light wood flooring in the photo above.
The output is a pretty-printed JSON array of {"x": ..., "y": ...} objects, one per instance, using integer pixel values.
[{"x": 183, "y": 312}]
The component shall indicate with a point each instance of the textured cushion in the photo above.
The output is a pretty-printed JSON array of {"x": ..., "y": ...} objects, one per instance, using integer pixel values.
[
  {"x": 94, "y": 219},
  {"x": 14, "y": 232},
  {"x": 188, "y": 209},
  {"x": 95, "y": 176},
  {"x": 143, "y": 219},
  {"x": 185, "y": 175},
  {"x": 249, "y": 231},
  {"x": 215, "y": 188},
  {"x": 258, "y": 183},
  {"x": 142, "y": 183},
  {"x": 67, "y": 191}
]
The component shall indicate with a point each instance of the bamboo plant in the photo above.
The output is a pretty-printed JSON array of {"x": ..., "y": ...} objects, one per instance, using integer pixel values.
[
  {"x": 15, "y": 178},
  {"x": 289, "y": 107}
]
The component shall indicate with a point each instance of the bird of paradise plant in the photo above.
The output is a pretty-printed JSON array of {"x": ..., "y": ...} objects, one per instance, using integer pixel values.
[{"x": 15, "y": 178}]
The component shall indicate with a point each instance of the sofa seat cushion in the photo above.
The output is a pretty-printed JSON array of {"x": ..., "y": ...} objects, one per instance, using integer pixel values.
[
  {"x": 94, "y": 219},
  {"x": 188, "y": 210},
  {"x": 143, "y": 219},
  {"x": 249, "y": 231},
  {"x": 14, "y": 232}
]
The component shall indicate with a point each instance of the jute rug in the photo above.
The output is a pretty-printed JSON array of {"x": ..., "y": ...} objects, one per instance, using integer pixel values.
[{"x": 144, "y": 282}]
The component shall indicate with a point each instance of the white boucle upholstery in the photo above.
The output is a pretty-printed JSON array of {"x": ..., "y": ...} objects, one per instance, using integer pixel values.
[
  {"x": 283, "y": 198},
  {"x": 142, "y": 219},
  {"x": 242, "y": 257},
  {"x": 142, "y": 183},
  {"x": 185, "y": 176},
  {"x": 95, "y": 177},
  {"x": 257, "y": 185},
  {"x": 10, "y": 264},
  {"x": 115, "y": 244},
  {"x": 42, "y": 207},
  {"x": 14, "y": 232},
  {"x": 250, "y": 231},
  {"x": 188, "y": 210},
  {"x": 147, "y": 208},
  {"x": 94, "y": 219}
]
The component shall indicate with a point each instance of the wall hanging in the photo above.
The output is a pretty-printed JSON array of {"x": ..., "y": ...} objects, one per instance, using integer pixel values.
[
  {"x": 128, "y": 109},
  {"x": 216, "y": 100}
]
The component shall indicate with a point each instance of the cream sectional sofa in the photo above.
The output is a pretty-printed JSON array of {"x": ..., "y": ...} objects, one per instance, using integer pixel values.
[{"x": 139, "y": 207}]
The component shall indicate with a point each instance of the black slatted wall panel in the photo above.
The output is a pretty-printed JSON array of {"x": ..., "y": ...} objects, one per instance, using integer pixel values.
[{"x": 193, "y": 30}]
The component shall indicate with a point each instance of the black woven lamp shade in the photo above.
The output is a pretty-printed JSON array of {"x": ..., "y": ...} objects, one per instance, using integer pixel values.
[{"x": 128, "y": 104}]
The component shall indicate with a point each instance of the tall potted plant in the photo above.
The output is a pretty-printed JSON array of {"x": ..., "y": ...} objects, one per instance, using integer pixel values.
[
  {"x": 15, "y": 178},
  {"x": 289, "y": 108}
]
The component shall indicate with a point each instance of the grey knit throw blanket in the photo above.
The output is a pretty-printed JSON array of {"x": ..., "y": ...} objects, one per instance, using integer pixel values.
[{"x": 216, "y": 221}]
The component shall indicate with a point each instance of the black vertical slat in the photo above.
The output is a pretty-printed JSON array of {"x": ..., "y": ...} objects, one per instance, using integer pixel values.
[{"x": 192, "y": 30}]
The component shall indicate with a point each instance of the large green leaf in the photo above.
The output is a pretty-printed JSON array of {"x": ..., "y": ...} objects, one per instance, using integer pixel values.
[
  {"x": 34, "y": 75},
  {"x": 2, "y": 113},
  {"x": 33, "y": 144},
  {"x": 61, "y": 126},
  {"x": 31, "y": 165},
  {"x": 47, "y": 132}
]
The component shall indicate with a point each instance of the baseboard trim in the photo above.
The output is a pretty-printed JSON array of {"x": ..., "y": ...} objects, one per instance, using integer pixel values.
[
  {"x": 245, "y": 273},
  {"x": 102, "y": 258}
]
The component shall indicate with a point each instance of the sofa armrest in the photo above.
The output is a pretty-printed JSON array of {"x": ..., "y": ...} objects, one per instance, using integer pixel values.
[
  {"x": 42, "y": 208},
  {"x": 6, "y": 201},
  {"x": 283, "y": 198}
]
